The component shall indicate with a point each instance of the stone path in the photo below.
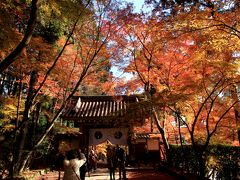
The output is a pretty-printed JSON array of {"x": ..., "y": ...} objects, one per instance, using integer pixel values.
[{"x": 102, "y": 174}]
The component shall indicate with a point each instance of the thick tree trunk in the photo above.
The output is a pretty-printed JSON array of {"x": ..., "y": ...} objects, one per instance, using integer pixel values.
[
  {"x": 2, "y": 83},
  {"x": 20, "y": 149},
  {"x": 167, "y": 147},
  {"x": 22, "y": 139},
  {"x": 234, "y": 95},
  {"x": 183, "y": 160},
  {"x": 164, "y": 138},
  {"x": 199, "y": 151},
  {"x": 201, "y": 163},
  {"x": 237, "y": 117},
  {"x": 35, "y": 120}
]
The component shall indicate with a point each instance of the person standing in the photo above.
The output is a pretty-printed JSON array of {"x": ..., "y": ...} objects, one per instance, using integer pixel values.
[
  {"x": 111, "y": 162},
  {"x": 121, "y": 158},
  {"x": 59, "y": 163},
  {"x": 146, "y": 155},
  {"x": 93, "y": 159},
  {"x": 83, "y": 168},
  {"x": 71, "y": 165}
]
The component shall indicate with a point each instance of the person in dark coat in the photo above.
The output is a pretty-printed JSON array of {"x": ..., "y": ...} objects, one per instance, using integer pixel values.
[
  {"x": 111, "y": 162},
  {"x": 59, "y": 163},
  {"x": 121, "y": 159}
]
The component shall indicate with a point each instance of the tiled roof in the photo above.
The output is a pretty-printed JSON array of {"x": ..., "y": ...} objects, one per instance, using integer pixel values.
[{"x": 82, "y": 108}]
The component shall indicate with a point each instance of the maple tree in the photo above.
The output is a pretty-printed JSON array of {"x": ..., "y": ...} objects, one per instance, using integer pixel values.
[
  {"x": 225, "y": 23},
  {"x": 142, "y": 48},
  {"x": 219, "y": 74},
  {"x": 5, "y": 63},
  {"x": 49, "y": 15},
  {"x": 187, "y": 58},
  {"x": 84, "y": 53},
  {"x": 155, "y": 59}
]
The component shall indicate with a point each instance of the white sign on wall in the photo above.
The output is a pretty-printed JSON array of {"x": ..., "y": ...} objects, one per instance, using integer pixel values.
[{"x": 153, "y": 144}]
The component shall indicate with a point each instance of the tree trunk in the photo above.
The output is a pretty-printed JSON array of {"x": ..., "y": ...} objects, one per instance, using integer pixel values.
[
  {"x": 237, "y": 117},
  {"x": 201, "y": 165},
  {"x": 234, "y": 95},
  {"x": 35, "y": 120},
  {"x": 23, "y": 139},
  {"x": 20, "y": 148},
  {"x": 164, "y": 138},
  {"x": 2, "y": 83},
  {"x": 183, "y": 160}
]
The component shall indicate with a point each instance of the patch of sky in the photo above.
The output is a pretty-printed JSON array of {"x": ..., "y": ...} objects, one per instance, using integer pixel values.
[
  {"x": 229, "y": 5},
  {"x": 138, "y": 6},
  {"x": 236, "y": 54},
  {"x": 237, "y": 60}
]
